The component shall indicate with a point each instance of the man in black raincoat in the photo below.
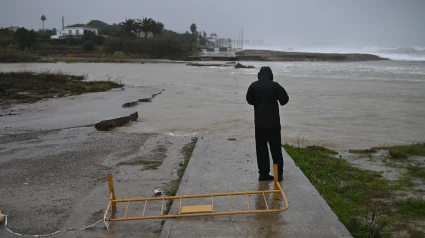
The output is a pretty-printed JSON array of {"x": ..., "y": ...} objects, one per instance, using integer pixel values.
[{"x": 264, "y": 95}]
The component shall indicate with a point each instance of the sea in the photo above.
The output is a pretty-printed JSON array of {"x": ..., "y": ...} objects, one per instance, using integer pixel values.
[{"x": 341, "y": 105}]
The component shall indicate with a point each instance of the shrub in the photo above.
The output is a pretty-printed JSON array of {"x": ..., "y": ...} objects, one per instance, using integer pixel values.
[
  {"x": 154, "y": 47},
  {"x": 98, "y": 40},
  {"x": 88, "y": 46}
]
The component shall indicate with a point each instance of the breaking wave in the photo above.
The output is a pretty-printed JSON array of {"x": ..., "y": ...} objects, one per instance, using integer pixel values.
[{"x": 413, "y": 53}]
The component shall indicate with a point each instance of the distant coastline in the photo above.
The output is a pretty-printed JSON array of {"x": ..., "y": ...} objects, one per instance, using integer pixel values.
[
  {"x": 245, "y": 55},
  {"x": 270, "y": 55}
]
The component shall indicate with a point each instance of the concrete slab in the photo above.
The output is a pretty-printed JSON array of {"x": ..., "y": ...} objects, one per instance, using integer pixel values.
[{"x": 221, "y": 166}]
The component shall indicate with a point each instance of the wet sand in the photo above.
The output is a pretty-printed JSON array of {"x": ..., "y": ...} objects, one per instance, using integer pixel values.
[
  {"x": 53, "y": 180},
  {"x": 53, "y": 164}
]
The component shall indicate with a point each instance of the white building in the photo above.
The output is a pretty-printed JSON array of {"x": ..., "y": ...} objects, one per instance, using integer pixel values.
[
  {"x": 223, "y": 42},
  {"x": 13, "y": 28},
  {"x": 77, "y": 30}
]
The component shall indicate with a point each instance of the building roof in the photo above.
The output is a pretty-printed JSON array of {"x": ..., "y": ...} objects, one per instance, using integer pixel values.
[
  {"x": 81, "y": 25},
  {"x": 12, "y": 28}
]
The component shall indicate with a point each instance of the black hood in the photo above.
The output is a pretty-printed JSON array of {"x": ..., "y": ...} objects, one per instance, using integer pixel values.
[{"x": 265, "y": 73}]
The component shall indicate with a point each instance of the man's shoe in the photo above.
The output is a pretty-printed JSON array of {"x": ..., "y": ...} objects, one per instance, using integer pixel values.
[
  {"x": 265, "y": 177},
  {"x": 280, "y": 178}
]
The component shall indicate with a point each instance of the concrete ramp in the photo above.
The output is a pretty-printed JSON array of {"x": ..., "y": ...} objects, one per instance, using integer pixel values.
[{"x": 223, "y": 166}]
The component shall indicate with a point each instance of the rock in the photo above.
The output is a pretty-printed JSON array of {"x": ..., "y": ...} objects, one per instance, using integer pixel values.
[
  {"x": 130, "y": 104},
  {"x": 145, "y": 100},
  {"x": 241, "y": 66}
]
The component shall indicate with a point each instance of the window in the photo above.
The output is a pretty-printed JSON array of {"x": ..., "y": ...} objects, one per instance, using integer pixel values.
[
  {"x": 70, "y": 32},
  {"x": 77, "y": 32}
]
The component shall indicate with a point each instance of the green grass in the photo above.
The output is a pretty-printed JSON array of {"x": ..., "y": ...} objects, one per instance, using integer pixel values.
[
  {"x": 416, "y": 171},
  {"x": 416, "y": 233},
  {"x": 358, "y": 197},
  {"x": 321, "y": 149},
  {"x": 404, "y": 151},
  {"x": 364, "y": 151},
  {"x": 147, "y": 164},
  {"x": 411, "y": 208},
  {"x": 364, "y": 201},
  {"x": 412, "y": 170},
  {"x": 28, "y": 86},
  {"x": 16, "y": 56}
]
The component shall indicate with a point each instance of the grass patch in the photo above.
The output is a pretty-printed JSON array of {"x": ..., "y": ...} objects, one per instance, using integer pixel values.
[
  {"x": 416, "y": 171},
  {"x": 411, "y": 170},
  {"x": 411, "y": 208},
  {"x": 151, "y": 161},
  {"x": 364, "y": 151},
  {"x": 16, "y": 56},
  {"x": 358, "y": 197},
  {"x": 147, "y": 164},
  {"x": 187, "y": 154},
  {"x": 416, "y": 233},
  {"x": 28, "y": 86},
  {"x": 321, "y": 149},
  {"x": 404, "y": 151}
]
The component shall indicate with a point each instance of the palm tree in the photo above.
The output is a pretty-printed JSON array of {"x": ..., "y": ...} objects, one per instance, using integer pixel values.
[
  {"x": 146, "y": 25},
  {"x": 129, "y": 27},
  {"x": 157, "y": 28},
  {"x": 193, "y": 28},
  {"x": 43, "y": 18}
]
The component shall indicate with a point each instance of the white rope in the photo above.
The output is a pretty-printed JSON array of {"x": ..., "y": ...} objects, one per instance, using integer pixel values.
[{"x": 54, "y": 233}]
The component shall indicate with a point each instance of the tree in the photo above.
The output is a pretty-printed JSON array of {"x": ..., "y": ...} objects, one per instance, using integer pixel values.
[
  {"x": 43, "y": 18},
  {"x": 146, "y": 25},
  {"x": 26, "y": 39},
  {"x": 193, "y": 28},
  {"x": 157, "y": 28},
  {"x": 105, "y": 28},
  {"x": 6, "y": 38},
  {"x": 129, "y": 27},
  {"x": 205, "y": 35},
  {"x": 46, "y": 33}
]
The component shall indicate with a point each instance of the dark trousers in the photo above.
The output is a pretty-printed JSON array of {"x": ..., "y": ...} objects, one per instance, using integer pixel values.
[{"x": 273, "y": 138}]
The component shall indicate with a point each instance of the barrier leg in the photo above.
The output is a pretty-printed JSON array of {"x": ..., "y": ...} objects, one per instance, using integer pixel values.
[
  {"x": 111, "y": 192},
  {"x": 275, "y": 174}
]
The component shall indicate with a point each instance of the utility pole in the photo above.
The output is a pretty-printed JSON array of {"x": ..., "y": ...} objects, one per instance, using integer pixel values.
[
  {"x": 237, "y": 40},
  {"x": 63, "y": 23},
  {"x": 242, "y": 38}
]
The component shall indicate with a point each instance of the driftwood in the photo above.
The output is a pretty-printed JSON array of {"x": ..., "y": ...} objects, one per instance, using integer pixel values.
[{"x": 108, "y": 124}]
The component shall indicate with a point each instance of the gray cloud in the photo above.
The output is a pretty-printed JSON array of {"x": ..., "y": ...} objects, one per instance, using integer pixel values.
[{"x": 296, "y": 22}]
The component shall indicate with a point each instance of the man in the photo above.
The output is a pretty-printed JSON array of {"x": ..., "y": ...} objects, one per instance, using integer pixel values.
[{"x": 264, "y": 95}]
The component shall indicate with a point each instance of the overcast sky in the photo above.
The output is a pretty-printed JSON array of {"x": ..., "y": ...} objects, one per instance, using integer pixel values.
[{"x": 332, "y": 23}]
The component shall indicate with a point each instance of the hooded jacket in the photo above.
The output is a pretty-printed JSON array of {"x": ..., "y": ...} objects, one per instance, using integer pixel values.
[{"x": 264, "y": 95}]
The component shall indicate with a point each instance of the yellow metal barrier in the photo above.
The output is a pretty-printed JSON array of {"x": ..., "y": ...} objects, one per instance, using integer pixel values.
[{"x": 196, "y": 210}]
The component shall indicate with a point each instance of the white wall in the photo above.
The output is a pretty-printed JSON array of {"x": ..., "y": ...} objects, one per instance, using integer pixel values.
[{"x": 74, "y": 30}]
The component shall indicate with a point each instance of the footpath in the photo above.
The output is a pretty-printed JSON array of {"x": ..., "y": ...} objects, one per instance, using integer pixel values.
[{"x": 219, "y": 165}]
